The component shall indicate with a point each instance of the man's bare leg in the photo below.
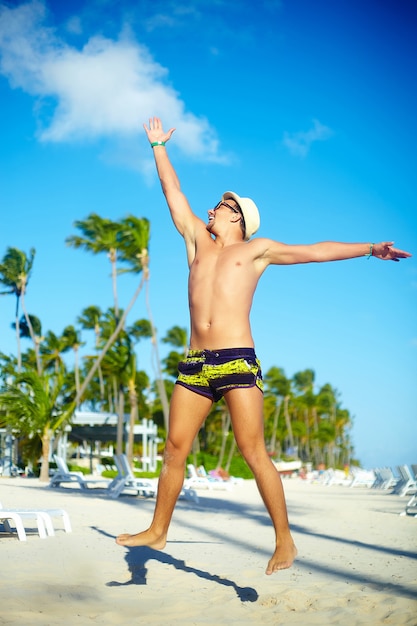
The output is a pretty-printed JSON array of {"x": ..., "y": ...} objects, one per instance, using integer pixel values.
[
  {"x": 271, "y": 490},
  {"x": 169, "y": 487},
  {"x": 188, "y": 410},
  {"x": 245, "y": 407}
]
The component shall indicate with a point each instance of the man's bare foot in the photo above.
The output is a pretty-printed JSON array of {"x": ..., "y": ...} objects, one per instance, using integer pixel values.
[
  {"x": 146, "y": 538},
  {"x": 282, "y": 558}
]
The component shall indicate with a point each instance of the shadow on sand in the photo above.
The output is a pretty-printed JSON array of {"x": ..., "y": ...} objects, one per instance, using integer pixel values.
[{"x": 137, "y": 558}]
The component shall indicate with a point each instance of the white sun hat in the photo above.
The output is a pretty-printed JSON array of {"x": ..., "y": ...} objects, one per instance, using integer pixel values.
[{"x": 249, "y": 211}]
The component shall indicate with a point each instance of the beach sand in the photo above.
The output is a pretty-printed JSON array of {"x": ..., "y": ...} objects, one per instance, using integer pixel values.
[{"x": 357, "y": 561}]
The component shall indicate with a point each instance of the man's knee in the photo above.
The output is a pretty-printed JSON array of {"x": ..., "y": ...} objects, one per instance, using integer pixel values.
[
  {"x": 254, "y": 456},
  {"x": 175, "y": 452}
]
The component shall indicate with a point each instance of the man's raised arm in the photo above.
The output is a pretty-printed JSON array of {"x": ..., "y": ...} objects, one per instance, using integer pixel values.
[{"x": 182, "y": 216}]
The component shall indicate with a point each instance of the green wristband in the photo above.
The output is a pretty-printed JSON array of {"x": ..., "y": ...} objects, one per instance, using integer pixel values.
[
  {"x": 157, "y": 143},
  {"x": 371, "y": 248}
]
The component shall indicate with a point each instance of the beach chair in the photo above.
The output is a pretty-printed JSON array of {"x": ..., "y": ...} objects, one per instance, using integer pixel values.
[
  {"x": 362, "y": 477},
  {"x": 407, "y": 483},
  {"x": 127, "y": 481},
  {"x": 332, "y": 476},
  {"x": 47, "y": 514},
  {"x": 43, "y": 521},
  {"x": 385, "y": 479},
  {"x": 411, "y": 506},
  {"x": 219, "y": 474},
  {"x": 194, "y": 481},
  {"x": 63, "y": 475}
]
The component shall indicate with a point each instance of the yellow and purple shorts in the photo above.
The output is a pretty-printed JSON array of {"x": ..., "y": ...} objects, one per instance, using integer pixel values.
[{"x": 211, "y": 373}]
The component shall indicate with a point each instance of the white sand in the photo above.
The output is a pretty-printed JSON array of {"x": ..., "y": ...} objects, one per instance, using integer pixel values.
[{"x": 357, "y": 561}]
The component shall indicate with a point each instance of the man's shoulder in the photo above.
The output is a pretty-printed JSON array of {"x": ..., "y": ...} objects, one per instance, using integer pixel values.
[{"x": 258, "y": 245}]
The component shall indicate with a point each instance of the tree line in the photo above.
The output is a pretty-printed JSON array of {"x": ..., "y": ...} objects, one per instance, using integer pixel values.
[{"x": 40, "y": 391}]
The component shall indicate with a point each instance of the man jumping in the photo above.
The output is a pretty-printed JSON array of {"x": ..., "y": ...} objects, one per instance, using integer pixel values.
[{"x": 224, "y": 271}]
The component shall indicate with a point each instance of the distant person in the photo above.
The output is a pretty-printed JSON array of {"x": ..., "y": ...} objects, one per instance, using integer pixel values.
[{"x": 224, "y": 271}]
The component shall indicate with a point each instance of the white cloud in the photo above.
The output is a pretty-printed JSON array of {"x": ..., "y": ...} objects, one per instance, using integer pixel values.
[
  {"x": 160, "y": 20},
  {"x": 74, "y": 25},
  {"x": 107, "y": 89},
  {"x": 300, "y": 143}
]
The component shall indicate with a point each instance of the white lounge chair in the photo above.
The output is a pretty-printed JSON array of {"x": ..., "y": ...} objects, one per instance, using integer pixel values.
[
  {"x": 362, "y": 477},
  {"x": 127, "y": 481},
  {"x": 63, "y": 475},
  {"x": 384, "y": 479},
  {"x": 219, "y": 474},
  {"x": 43, "y": 522},
  {"x": 196, "y": 481},
  {"x": 407, "y": 483},
  {"x": 44, "y": 515},
  {"x": 411, "y": 506}
]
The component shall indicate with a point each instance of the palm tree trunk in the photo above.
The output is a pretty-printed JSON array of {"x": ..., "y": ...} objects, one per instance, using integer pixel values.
[
  {"x": 19, "y": 350},
  {"x": 288, "y": 422},
  {"x": 113, "y": 257},
  {"x": 77, "y": 370},
  {"x": 46, "y": 443},
  {"x": 273, "y": 441},
  {"x": 195, "y": 450},
  {"x": 32, "y": 334},
  {"x": 120, "y": 421},
  {"x": 109, "y": 343},
  {"x": 225, "y": 434},
  {"x": 230, "y": 455},
  {"x": 133, "y": 398},
  {"x": 159, "y": 380}
]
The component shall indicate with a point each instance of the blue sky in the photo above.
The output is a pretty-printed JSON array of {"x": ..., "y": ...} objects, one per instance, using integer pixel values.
[{"x": 307, "y": 107}]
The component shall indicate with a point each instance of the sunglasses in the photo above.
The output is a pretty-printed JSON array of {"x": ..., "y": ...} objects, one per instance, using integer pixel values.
[{"x": 228, "y": 206}]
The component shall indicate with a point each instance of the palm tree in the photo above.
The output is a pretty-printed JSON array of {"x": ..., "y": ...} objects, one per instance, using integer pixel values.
[
  {"x": 126, "y": 238},
  {"x": 134, "y": 253},
  {"x": 8, "y": 366},
  {"x": 327, "y": 406},
  {"x": 177, "y": 336},
  {"x": 119, "y": 366},
  {"x": 33, "y": 332},
  {"x": 112, "y": 338},
  {"x": 90, "y": 320},
  {"x": 52, "y": 349},
  {"x": 72, "y": 341},
  {"x": 226, "y": 422},
  {"x": 325, "y": 437},
  {"x": 303, "y": 382},
  {"x": 37, "y": 406},
  {"x": 15, "y": 270},
  {"x": 140, "y": 329},
  {"x": 115, "y": 365},
  {"x": 343, "y": 422},
  {"x": 24, "y": 330},
  {"x": 280, "y": 385},
  {"x": 99, "y": 235}
]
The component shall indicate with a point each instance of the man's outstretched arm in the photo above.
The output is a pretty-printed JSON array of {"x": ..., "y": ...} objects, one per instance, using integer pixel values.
[
  {"x": 181, "y": 213},
  {"x": 281, "y": 254}
]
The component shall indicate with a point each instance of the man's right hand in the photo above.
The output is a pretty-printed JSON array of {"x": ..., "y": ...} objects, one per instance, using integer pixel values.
[{"x": 155, "y": 132}]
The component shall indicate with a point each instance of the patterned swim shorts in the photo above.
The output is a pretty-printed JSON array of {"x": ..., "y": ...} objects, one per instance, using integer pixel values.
[{"x": 211, "y": 373}]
